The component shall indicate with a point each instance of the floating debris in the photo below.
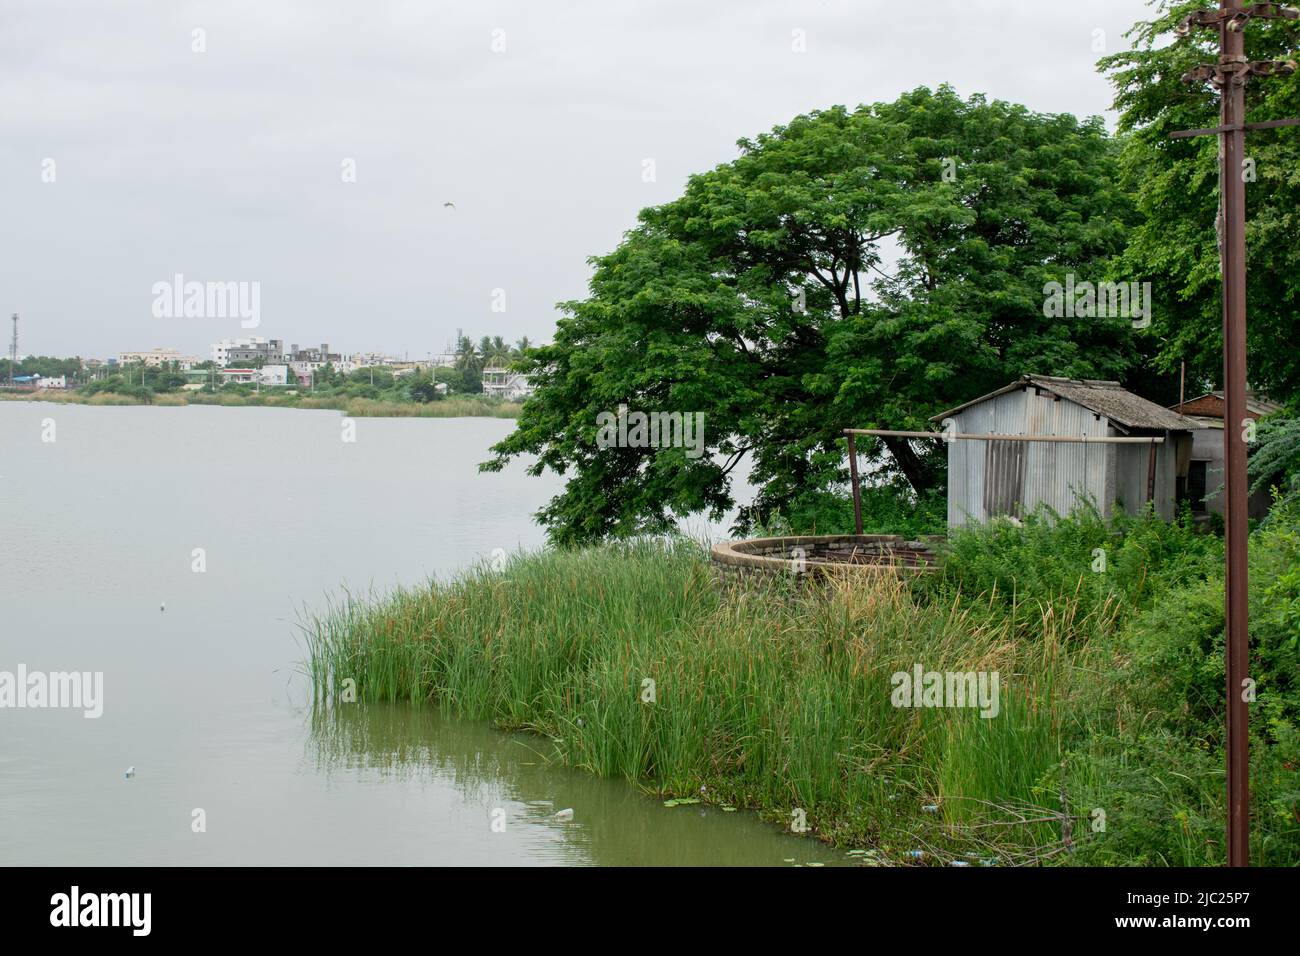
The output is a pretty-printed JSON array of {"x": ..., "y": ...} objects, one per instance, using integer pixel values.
[
  {"x": 958, "y": 863},
  {"x": 681, "y": 801},
  {"x": 916, "y": 854},
  {"x": 931, "y": 808}
]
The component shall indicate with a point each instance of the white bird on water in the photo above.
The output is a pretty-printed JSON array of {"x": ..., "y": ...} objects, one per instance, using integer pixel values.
[
  {"x": 566, "y": 814},
  {"x": 163, "y": 606},
  {"x": 130, "y": 772}
]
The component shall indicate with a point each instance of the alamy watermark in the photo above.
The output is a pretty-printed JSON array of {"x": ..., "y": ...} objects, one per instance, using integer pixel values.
[
  {"x": 63, "y": 689},
  {"x": 179, "y": 299},
  {"x": 75, "y": 908},
  {"x": 922, "y": 688},
  {"x": 1098, "y": 300},
  {"x": 651, "y": 430}
]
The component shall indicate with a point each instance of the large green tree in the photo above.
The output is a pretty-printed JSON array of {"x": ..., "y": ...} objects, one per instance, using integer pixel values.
[
  {"x": 850, "y": 269},
  {"x": 1176, "y": 189}
]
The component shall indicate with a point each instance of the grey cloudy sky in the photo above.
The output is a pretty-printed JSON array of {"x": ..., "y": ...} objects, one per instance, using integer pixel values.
[{"x": 226, "y": 165}]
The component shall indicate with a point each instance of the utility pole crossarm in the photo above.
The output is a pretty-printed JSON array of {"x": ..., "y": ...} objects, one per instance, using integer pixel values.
[{"x": 1236, "y": 18}]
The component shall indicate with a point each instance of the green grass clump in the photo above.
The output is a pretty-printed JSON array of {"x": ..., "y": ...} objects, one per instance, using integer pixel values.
[{"x": 774, "y": 700}]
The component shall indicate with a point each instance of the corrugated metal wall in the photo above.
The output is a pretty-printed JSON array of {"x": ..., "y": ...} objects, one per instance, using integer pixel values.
[
  {"x": 1134, "y": 466},
  {"x": 1054, "y": 474}
]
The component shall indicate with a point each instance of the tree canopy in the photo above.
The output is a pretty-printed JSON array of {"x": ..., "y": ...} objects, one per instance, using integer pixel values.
[{"x": 852, "y": 268}]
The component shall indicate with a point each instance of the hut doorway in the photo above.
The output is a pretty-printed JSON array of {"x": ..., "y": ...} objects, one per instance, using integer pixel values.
[{"x": 1004, "y": 478}]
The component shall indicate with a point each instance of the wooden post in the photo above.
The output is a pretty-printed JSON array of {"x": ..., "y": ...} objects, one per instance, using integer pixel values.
[
  {"x": 857, "y": 490},
  {"x": 1151, "y": 474}
]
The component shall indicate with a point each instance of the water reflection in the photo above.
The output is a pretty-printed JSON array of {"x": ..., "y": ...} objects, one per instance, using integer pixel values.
[{"x": 614, "y": 823}]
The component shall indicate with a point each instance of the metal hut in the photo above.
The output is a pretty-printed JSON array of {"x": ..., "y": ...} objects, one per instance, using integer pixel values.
[{"x": 1059, "y": 442}]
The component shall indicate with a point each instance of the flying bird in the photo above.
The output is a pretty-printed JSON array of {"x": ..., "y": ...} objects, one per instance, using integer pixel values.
[{"x": 449, "y": 205}]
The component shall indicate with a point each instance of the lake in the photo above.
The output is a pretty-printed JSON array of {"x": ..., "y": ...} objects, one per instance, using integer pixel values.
[{"x": 102, "y": 530}]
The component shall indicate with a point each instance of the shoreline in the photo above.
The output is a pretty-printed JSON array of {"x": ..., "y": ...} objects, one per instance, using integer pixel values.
[{"x": 355, "y": 407}]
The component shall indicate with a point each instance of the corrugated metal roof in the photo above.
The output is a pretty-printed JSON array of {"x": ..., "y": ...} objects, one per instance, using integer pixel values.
[{"x": 1109, "y": 399}]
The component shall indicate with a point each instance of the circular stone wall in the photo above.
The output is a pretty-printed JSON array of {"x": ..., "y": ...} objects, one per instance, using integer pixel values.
[{"x": 815, "y": 555}]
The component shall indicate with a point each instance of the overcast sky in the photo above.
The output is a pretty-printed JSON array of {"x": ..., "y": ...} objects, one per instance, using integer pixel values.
[{"x": 228, "y": 164}]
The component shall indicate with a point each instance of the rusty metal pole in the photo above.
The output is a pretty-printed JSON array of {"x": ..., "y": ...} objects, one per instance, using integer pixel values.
[
  {"x": 857, "y": 493},
  {"x": 1233, "y": 256},
  {"x": 1229, "y": 76}
]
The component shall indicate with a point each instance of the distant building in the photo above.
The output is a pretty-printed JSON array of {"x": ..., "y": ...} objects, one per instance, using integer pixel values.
[
  {"x": 220, "y": 352},
  {"x": 201, "y": 376},
  {"x": 271, "y": 351},
  {"x": 52, "y": 381},
  {"x": 239, "y": 375},
  {"x": 310, "y": 359},
  {"x": 501, "y": 382},
  {"x": 274, "y": 375},
  {"x": 1205, "y": 475},
  {"x": 374, "y": 359},
  {"x": 314, "y": 356},
  {"x": 157, "y": 357}
]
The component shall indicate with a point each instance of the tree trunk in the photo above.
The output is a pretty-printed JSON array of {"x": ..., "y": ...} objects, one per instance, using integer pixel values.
[{"x": 910, "y": 464}]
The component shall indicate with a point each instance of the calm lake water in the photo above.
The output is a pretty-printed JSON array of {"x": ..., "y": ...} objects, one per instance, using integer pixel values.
[{"x": 205, "y": 699}]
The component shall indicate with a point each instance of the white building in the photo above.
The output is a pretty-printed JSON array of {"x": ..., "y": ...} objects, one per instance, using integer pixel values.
[
  {"x": 306, "y": 369},
  {"x": 275, "y": 375},
  {"x": 501, "y": 382},
  {"x": 239, "y": 375}
]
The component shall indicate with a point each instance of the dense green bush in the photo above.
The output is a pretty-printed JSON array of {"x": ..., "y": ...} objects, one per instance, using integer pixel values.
[
  {"x": 1044, "y": 557},
  {"x": 1158, "y": 768},
  {"x": 1177, "y": 644}
]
